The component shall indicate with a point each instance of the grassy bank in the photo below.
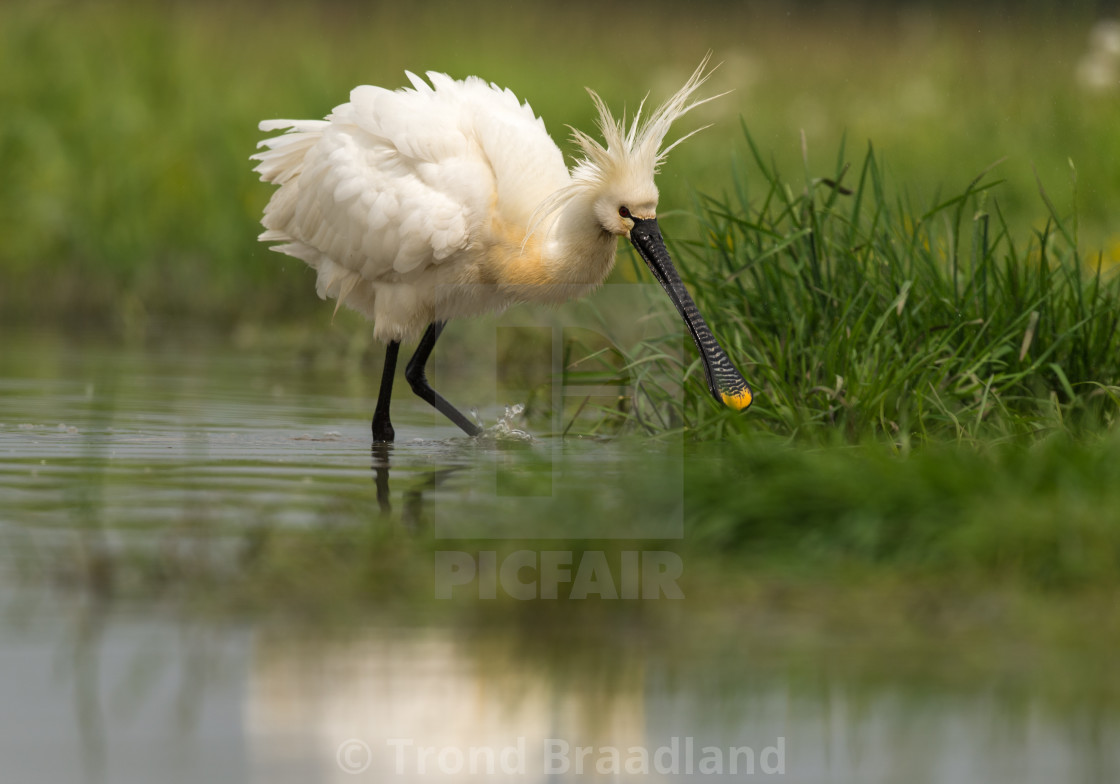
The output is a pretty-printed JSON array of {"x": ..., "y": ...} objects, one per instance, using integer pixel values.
[
  {"x": 860, "y": 313},
  {"x": 1043, "y": 517}
]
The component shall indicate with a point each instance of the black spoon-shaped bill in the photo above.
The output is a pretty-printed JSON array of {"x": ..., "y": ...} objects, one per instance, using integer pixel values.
[{"x": 725, "y": 383}]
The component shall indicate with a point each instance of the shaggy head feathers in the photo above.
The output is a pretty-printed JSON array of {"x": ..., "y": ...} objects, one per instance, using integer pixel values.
[
  {"x": 633, "y": 155},
  {"x": 626, "y": 164}
]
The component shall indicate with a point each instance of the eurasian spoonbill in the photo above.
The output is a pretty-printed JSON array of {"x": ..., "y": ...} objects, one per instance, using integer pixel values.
[{"x": 449, "y": 199}]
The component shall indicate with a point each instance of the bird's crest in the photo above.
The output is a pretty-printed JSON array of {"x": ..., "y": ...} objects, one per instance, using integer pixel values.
[
  {"x": 635, "y": 151},
  {"x": 631, "y": 154}
]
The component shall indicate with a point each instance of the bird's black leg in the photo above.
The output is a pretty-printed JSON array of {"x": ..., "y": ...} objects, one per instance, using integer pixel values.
[
  {"x": 382, "y": 427},
  {"x": 419, "y": 382}
]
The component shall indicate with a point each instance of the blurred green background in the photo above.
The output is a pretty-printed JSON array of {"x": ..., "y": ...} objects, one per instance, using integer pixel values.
[{"x": 127, "y": 200}]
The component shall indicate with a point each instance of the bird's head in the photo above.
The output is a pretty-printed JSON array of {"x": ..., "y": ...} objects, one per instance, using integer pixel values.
[
  {"x": 619, "y": 173},
  {"x": 616, "y": 176},
  {"x": 619, "y": 178}
]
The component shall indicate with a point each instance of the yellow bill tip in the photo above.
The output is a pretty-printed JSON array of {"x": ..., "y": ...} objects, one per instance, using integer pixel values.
[{"x": 737, "y": 400}]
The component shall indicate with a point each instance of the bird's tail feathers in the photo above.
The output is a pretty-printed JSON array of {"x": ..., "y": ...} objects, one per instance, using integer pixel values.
[{"x": 283, "y": 157}]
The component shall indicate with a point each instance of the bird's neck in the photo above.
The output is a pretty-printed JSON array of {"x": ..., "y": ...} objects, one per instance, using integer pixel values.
[
  {"x": 567, "y": 259},
  {"x": 576, "y": 250}
]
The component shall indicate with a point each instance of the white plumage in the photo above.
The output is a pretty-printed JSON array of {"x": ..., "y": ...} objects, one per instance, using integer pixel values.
[
  {"x": 449, "y": 199},
  {"x": 396, "y": 194}
]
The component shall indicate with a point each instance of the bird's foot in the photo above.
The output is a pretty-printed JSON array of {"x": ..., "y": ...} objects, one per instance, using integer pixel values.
[{"x": 383, "y": 432}]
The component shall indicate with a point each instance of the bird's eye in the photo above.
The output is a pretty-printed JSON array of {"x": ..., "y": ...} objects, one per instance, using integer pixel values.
[{"x": 624, "y": 212}]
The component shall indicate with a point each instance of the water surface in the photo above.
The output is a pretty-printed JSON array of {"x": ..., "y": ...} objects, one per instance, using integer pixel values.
[{"x": 136, "y": 644}]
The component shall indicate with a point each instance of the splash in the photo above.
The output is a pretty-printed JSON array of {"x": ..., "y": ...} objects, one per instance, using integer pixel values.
[{"x": 506, "y": 427}]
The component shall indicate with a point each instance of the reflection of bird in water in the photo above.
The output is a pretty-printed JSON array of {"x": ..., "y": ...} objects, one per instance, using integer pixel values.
[
  {"x": 449, "y": 200},
  {"x": 379, "y": 461},
  {"x": 412, "y": 511},
  {"x": 497, "y": 693}
]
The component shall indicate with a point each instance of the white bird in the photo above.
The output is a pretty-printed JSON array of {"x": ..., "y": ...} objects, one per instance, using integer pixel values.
[{"x": 449, "y": 199}]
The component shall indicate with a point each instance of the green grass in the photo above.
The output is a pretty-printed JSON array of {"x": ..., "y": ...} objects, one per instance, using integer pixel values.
[
  {"x": 1042, "y": 517},
  {"x": 860, "y": 314}
]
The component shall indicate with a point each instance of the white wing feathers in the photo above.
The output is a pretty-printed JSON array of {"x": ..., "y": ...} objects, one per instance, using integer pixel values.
[
  {"x": 386, "y": 195},
  {"x": 351, "y": 194},
  {"x": 394, "y": 181}
]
